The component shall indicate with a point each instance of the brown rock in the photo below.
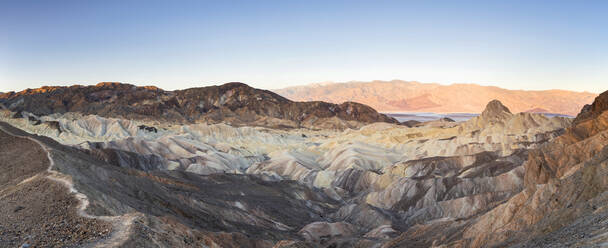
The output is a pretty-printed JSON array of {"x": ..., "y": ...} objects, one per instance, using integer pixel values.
[
  {"x": 590, "y": 111},
  {"x": 233, "y": 103}
]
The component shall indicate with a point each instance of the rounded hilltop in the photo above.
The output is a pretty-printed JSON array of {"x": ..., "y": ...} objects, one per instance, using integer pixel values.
[{"x": 234, "y": 103}]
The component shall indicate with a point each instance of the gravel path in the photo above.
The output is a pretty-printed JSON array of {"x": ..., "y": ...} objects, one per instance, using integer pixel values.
[{"x": 40, "y": 207}]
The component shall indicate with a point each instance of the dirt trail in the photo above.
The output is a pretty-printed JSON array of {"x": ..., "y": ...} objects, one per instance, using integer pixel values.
[{"x": 122, "y": 226}]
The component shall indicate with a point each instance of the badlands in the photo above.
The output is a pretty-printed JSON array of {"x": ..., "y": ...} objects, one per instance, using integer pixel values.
[{"x": 115, "y": 165}]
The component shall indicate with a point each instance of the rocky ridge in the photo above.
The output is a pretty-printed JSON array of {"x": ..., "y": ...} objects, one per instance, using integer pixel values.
[{"x": 233, "y": 103}]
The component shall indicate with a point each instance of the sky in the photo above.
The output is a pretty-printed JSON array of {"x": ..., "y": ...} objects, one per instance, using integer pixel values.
[{"x": 530, "y": 45}]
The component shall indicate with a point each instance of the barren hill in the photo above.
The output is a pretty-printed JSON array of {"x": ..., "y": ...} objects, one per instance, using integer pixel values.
[
  {"x": 456, "y": 98},
  {"x": 233, "y": 103}
]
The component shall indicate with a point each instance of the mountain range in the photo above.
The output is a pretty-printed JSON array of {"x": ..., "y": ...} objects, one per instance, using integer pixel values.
[
  {"x": 234, "y": 103},
  {"x": 408, "y": 96}
]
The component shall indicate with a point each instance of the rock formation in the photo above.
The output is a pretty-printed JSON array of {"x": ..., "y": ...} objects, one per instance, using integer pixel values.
[{"x": 563, "y": 202}]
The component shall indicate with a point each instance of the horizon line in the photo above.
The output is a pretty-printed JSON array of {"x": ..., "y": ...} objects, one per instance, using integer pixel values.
[{"x": 329, "y": 82}]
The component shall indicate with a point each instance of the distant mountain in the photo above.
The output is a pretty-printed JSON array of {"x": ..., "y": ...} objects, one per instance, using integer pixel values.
[
  {"x": 402, "y": 96},
  {"x": 232, "y": 103}
]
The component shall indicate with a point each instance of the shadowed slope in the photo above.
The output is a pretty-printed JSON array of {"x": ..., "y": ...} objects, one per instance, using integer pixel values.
[
  {"x": 35, "y": 210},
  {"x": 186, "y": 210}
]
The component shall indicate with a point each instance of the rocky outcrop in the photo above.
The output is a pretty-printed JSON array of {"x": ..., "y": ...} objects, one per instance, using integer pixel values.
[
  {"x": 495, "y": 111},
  {"x": 565, "y": 181},
  {"x": 595, "y": 109},
  {"x": 234, "y": 103},
  {"x": 549, "y": 162},
  {"x": 563, "y": 202}
]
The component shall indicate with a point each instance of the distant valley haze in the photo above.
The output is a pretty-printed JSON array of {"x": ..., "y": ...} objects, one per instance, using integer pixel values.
[{"x": 404, "y": 96}]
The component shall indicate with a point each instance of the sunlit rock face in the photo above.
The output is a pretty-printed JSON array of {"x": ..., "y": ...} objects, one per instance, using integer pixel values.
[
  {"x": 562, "y": 203},
  {"x": 564, "y": 192},
  {"x": 371, "y": 185}
]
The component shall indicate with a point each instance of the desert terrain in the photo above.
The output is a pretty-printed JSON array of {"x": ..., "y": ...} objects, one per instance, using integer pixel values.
[{"x": 117, "y": 165}]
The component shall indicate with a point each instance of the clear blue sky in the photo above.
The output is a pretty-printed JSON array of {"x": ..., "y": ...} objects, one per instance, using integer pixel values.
[{"x": 273, "y": 44}]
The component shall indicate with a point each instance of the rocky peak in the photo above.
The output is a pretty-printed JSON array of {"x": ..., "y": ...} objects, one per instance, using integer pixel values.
[
  {"x": 599, "y": 105},
  {"x": 495, "y": 110}
]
